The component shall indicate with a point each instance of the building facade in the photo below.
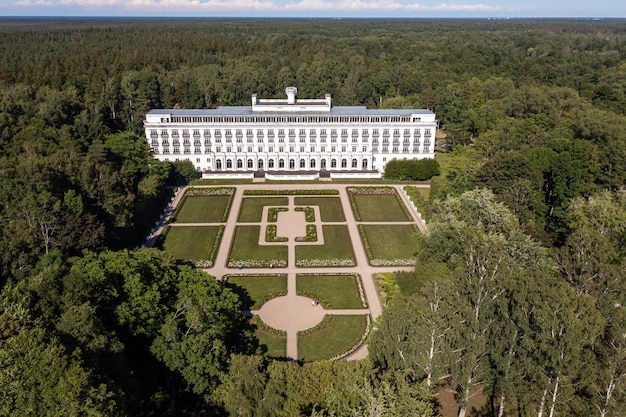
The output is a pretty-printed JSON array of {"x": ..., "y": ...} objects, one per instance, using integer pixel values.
[{"x": 290, "y": 135}]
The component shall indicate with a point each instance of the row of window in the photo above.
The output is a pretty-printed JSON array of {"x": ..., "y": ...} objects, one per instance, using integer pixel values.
[
  {"x": 290, "y": 119},
  {"x": 281, "y": 164},
  {"x": 270, "y": 134},
  {"x": 333, "y": 149}
]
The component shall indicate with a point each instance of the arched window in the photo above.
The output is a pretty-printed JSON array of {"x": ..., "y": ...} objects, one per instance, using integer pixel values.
[
  {"x": 292, "y": 164},
  {"x": 239, "y": 163},
  {"x": 218, "y": 165},
  {"x": 229, "y": 164},
  {"x": 355, "y": 163},
  {"x": 251, "y": 164},
  {"x": 302, "y": 163},
  {"x": 312, "y": 164},
  {"x": 281, "y": 163},
  {"x": 364, "y": 164},
  {"x": 333, "y": 163},
  {"x": 344, "y": 163},
  {"x": 270, "y": 164},
  {"x": 260, "y": 164}
]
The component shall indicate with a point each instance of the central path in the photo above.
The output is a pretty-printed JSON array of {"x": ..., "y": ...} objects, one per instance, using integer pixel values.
[{"x": 291, "y": 312}]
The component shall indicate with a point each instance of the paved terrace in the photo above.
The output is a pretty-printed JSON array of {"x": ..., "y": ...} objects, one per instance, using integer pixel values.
[{"x": 292, "y": 312}]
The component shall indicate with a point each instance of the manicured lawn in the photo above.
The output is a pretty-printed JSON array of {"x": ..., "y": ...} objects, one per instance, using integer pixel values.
[
  {"x": 341, "y": 334},
  {"x": 337, "y": 246},
  {"x": 330, "y": 207},
  {"x": 391, "y": 241},
  {"x": 191, "y": 243},
  {"x": 252, "y": 208},
  {"x": 245, "y": 248},
  {"x": 333, "y": 291},
  {"x": 276, "y": 345},
  {"x": 203, "y": 209},
  {"x": 254, "y": 290},
  {"x": 379, "y": 208}
]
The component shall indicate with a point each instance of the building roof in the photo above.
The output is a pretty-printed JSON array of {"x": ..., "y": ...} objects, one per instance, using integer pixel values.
[{"x": 247, "y": 111}]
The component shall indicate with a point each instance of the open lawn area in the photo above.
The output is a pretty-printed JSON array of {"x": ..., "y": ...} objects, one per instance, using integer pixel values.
[
  {"x": 203, "y": 209},
  {"x": 394, "y": 243},
  {"x": 192, "y": 243},
  {"x": 336, "y": 250},
  {"x": 379, "y": 208},
  {"x": 255, "y": 290},
  {"x": 276, "y": 345},
  {"x": 252, "y": 207},
  {"x": 332, "y": 291},
  {"x": 246, "y": 250},
  {"x": 339, "y": 336},
  {"x": 330, "y": 207}
]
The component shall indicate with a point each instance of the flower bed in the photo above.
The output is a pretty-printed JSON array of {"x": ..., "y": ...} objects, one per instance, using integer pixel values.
[
  {"x": 309, "y": 213},
  {"x": 319, "y": 326},
  {"x": 316, "y": 263},
  {"x": 206, "y": 192},
  {"x": 270, "y": 234},
  {"x": 261, "y": 324},
  {"x": 311, "y": 234},
  {"x": 257, "y": 263},
  {"x": 272, "y": 213}
]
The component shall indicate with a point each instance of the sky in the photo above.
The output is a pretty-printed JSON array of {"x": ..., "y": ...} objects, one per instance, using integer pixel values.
[{"x": 318, "y": 8}]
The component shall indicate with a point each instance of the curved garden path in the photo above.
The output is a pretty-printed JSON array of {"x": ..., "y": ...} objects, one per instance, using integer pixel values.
[{"x": 292, "y": 312}]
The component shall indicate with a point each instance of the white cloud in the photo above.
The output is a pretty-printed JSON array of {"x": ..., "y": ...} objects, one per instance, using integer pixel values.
[{"x": 247, "y": 7}]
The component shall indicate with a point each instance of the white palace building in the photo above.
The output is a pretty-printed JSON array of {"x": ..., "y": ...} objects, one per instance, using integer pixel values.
[{"x": 282, "y": 137}]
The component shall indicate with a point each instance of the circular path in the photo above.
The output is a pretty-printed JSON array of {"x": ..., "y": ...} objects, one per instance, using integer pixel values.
[{"x": 291, "y": 313}]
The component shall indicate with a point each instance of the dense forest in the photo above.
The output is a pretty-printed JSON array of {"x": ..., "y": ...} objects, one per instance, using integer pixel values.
[{"x": 520, "y": 292}]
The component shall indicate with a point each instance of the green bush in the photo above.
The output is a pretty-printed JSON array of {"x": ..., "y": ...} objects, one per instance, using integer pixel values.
[{"x": 412, "y": 169}]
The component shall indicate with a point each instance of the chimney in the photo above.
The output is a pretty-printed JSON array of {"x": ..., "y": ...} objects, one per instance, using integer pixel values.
[{"x": 292, "y": 92}]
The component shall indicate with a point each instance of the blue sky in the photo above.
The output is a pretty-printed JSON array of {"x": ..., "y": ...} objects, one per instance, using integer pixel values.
[{"x": 316, "y": 8}]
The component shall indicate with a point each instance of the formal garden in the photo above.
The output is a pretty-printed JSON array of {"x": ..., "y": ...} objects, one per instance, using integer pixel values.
[{"x": 261, "y": 239}]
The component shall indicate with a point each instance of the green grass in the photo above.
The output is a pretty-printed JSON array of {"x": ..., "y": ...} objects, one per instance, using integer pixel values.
[
  {"x": 191, "y": 242},
  {"x": 245, "y": 247},
  {"x": 254, "y": 290},
  {"x": 252, "y": 208},
  {"x": 333, "y": 291},
  {"x": 276, "y": 345},
  {"x": 391, "y": 241},
  {"x": 330, "y": 207},
  {"x": 379, "y": 208},
  {"x": 336, "y": 245},
  {"x": 203, "y": 209},
  {"x": 339, "y": 336}
]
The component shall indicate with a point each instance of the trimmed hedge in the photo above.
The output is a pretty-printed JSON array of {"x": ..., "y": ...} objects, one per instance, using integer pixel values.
[
  {"x": 412, "y": 169},
  {"x": 291, "y": 192}
]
